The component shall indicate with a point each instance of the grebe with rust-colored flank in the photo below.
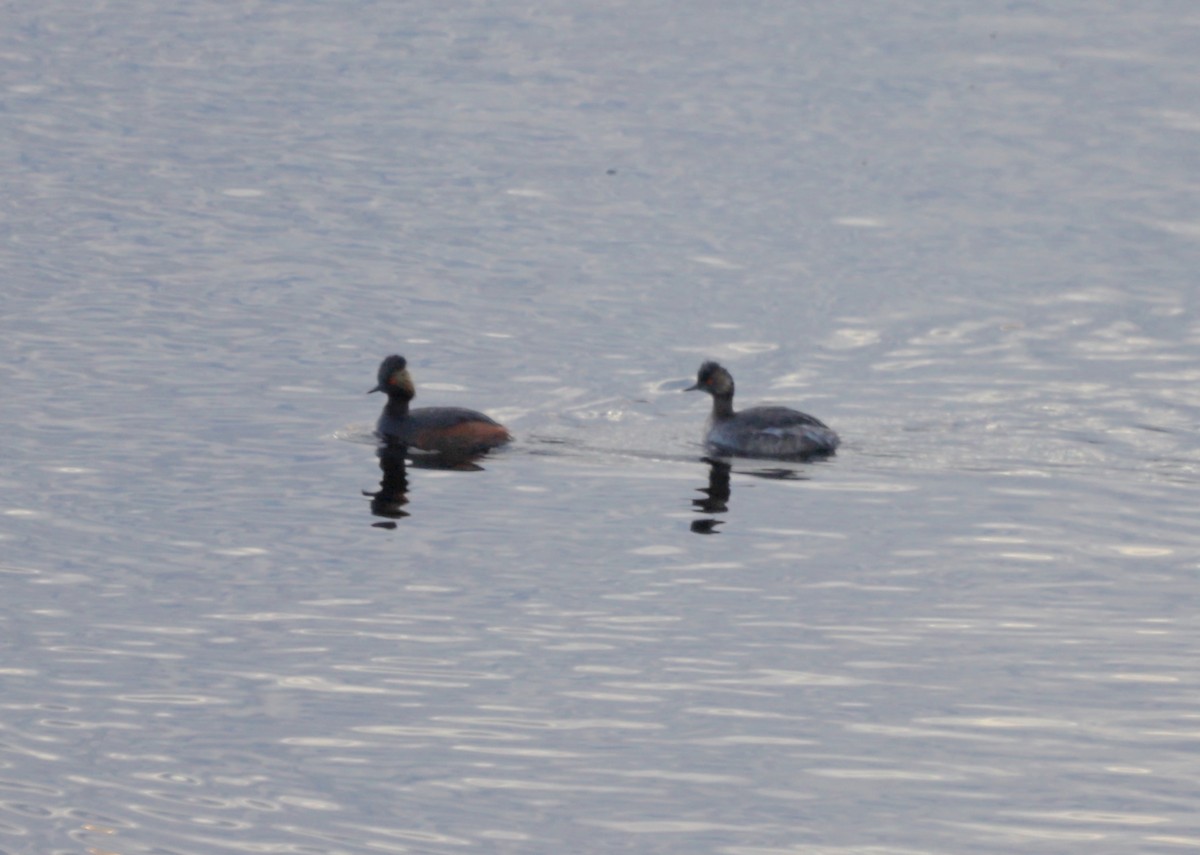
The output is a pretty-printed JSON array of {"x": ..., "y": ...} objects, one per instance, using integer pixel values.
[{"x": 454, "y": 431}]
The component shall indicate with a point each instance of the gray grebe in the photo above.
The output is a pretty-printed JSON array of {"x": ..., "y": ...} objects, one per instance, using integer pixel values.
[{"x": 758, "y": 431}]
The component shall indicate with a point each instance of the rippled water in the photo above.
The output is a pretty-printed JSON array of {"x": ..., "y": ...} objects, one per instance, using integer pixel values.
[{"x": 963, "y": 235}]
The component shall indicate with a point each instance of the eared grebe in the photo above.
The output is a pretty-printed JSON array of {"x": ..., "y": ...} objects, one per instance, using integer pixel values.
[
  {"x": 758, "y": 431},
  {"x": 451, "y": 431}
]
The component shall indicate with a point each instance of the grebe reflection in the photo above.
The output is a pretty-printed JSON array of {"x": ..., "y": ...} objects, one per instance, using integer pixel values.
[
  {"x": 717, "y": 492},
  {"x": 391, "y": 497}
]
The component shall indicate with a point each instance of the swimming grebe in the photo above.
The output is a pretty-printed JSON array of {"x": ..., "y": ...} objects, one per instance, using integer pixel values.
[
  {"x": 444, "y": 430},
  {"x": 758, "y": 431}
]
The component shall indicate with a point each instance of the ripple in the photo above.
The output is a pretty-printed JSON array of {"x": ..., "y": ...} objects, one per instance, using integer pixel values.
[
  {"x": 527, "y": 785},
  {"x": 171, "y": 699},
  {"x": 770, "y": 677},
  {"x": 1091, "y": 816},
  {"x": 667, "y": 826},
  {"x": 321, "y": 684},
  {"x": 880, "y": 774},
  {"x": 561, "y": 724},
  {"x": 656, "y": 550},
  {"x": 34, "y": 811},
  {"x": 1006, "y": 723},
  {"x": 188, "y": 820}
]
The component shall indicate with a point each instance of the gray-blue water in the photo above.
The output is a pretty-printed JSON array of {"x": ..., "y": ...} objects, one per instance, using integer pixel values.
[{"x": 965, "y": 235}]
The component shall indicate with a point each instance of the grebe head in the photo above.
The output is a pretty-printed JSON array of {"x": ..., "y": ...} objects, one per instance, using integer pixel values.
[
  {"x": 713, "y": 379},
  {"x": 394, "y": 378}
]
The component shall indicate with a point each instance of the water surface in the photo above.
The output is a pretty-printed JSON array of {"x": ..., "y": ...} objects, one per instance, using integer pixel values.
[{"x": 962, "y": 235}]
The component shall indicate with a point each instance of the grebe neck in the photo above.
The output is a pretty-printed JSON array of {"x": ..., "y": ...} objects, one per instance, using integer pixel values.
[
  {"x": 722, "y": 407},
  {"x": 396, "y": 406}
]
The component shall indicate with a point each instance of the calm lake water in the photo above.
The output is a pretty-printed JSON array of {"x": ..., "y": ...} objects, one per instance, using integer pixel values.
[{"x": 963, "y": 234}]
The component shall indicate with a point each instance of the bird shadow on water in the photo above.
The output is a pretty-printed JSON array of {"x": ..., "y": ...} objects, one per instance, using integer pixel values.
[
  {"x": 716, "y": 494},
  {"x": 390, "y": 499},
  {"x": 389, "y": 502}
]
